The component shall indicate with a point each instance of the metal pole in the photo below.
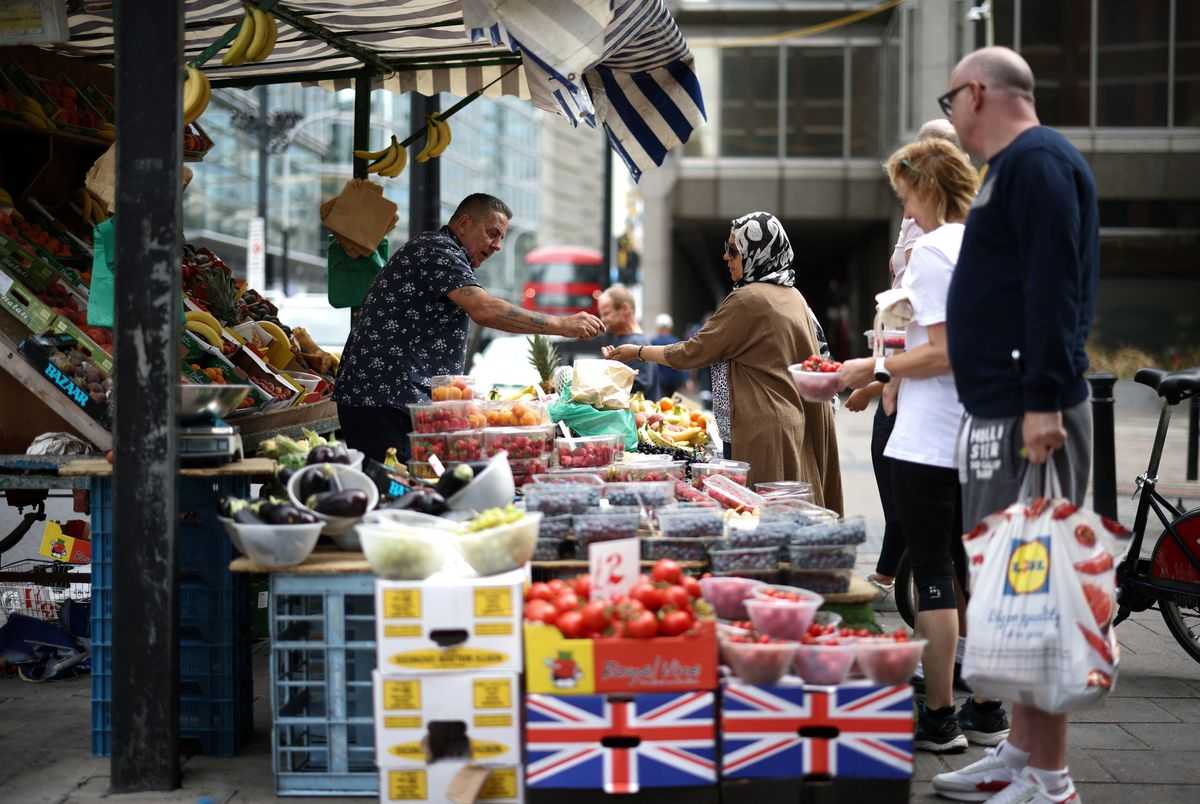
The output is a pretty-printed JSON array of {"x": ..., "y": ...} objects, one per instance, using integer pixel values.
[
  {"x": 1193, "y": 439},
  {"x": 1104, "y": 450},
  {"x": 362, "y": 121},
  {"x": 606, "y": 216},
  {"x": 145, "y": 660},
  {"x": 263, "y": 129},
  {"x": 424, "y": 179}
]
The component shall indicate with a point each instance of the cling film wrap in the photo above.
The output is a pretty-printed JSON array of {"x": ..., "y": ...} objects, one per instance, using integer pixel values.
[{"x": 1043, "y": 597}]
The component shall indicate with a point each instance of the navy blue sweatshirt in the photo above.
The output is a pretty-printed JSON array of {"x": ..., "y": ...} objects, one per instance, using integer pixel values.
[{"x": 1026, "y": 281}]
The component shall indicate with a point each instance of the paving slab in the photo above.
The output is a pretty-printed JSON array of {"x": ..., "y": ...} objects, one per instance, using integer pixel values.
[
  {"x": 1121, "y": 794},
  {"x": 926, "y": 765},
  {"x": 1105, "y": 735},
  {"x": 1125, "y": 710},
  {"x": 1187, "y": 710},
  {"x": 1165, "y": 736},
  {"x": 1158, "y": 767},
  {"x": 1160, "y": 684},
  {"x": 1085, "y": 768}
]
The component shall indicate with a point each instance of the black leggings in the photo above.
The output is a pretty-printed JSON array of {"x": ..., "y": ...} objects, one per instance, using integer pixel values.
[
  {"x": 929, "y": 506},
  {"x": 373, "y": 430},
  {"x": 893, "y": 536}
]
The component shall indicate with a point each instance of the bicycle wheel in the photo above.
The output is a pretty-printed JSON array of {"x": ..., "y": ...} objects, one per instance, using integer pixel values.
[
  {"x": 906, "y": 591},
  {"x": 1184, "y": 625}
]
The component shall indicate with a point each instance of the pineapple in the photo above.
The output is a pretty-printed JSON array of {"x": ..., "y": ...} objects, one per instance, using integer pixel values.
[
  {"x": 543, "y": 357},
  {"x": 221, "y": 295}
]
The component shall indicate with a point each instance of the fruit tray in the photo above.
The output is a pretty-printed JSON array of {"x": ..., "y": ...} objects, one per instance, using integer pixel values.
[
  {"x": 588, "y": 477},
  {"x": 737, "y": 471},
  {"x": 421, "y": 470},
  {"x": 799, "y": 512},
  {"x": 555, "y": 527},
  {"x": 730, "y": 494},
  {"x": 785, "y": 491},
  {"x": 684, "y": 523},
  {"x": 524, "y": 471},
  {"x": 824, "y": 582},
  {"x": 447, "y": 417},
  {"x": 815, "y": 386},
  {"x": 464, "y": 446},
  {"x": 587, "y": 451},
  {"x": 519, "y": 442},
  {"x": 422, "y": 445},
  {"x": 553, "y": 549},
  {"x": 452, "y": 388},
  {"x": 822, "y": 558},
  {"x": 650, "y": 495},
  {"x": 516, "y": 414},
  {"x": 846, "y": 531},
  {"x": 649, "y": 472},
  {"x": 687, "y": 548},
  {"x": 602, "y": 526},
  {"x": 769, "y": 533},
  {"x": 561, "y": 498},
  {"x": 744, "y": 558}
]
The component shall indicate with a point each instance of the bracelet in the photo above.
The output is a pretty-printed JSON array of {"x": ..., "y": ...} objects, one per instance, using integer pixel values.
[{"x": 640, "y": 348}]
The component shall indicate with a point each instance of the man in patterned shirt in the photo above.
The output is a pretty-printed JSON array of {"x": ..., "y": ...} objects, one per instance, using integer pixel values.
[{"x": 413, "y": 325}]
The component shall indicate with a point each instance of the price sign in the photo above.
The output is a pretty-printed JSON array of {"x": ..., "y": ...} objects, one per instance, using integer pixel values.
[
  {"x": 256, "y": 254},
  {"x": 613, "y": 566}
]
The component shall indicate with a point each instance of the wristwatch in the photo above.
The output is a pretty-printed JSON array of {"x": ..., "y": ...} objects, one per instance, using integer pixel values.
[{"x": 881, "y": 372}]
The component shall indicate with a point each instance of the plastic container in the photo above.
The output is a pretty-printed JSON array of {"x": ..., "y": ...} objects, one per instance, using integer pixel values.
[
  {"x": 422, "y": 445},
  {"x": 823, "y": 582},
  {"x": 698, "y": 522},
  {"x": 786, "y": 490},
  {"x": 886, "y": 661},
  {"x": 556, "y": 527},
  {"x": 603, "y": 526},
  {"x": 421, "y": 470},
  {"x": 892, "y": 339},
  {"x": 767, "y": 534},
  {"x": 649, "y": 471},
  {"x": 274, "y": 546},
  {"x": 588, "y": 477},
  {"x": 822, "y": 558},
  {"x": 553, "y": 549},
  {"x": 503, "y": 548},
  {"x": 782, "y": 619},
  {"x": 402, "y": 552},
  {"x": 737, "y": 471},
  {"x": 518, "y": 413},
  {"x": 524, "y": 471},
  {"x": 827, "y": 665},
  {"x": 757, "y": 663},
  {"x": 465, "y": 446},
  {"x": 799, "y": 512},
  {"x": 519, "y": 442},
  {"x": 587, "y": 451},
  {"x": 447, "y": 417},
  {"x": 491, "y": 488},
  {"x": 454, "y": 387},
  {"x": 681, "y": 549},
  {"x": 731, "y": 495},
  {"x": 815, "y": 386},
  {"x": 650, "y": 495},
  {"x": 847, "y": 531},
  {"x": 745, "y": 559},
  {"x": 338, "y": 527},
  {"x": 557, "y": 499},
  {"x": 728, "y": 595}
]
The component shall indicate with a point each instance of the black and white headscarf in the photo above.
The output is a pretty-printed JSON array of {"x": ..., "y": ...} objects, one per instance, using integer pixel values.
[{"x": 765, "y": 249}]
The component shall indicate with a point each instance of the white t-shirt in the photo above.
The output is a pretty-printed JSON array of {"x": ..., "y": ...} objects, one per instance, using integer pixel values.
[
  {"x": 928, "y": 413},
  {"x": 909, "y": 232}
]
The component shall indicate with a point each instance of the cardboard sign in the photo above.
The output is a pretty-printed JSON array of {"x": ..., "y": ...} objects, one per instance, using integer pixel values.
[
  {"x": 58, "y": 546},
  {"x": 614, "y": 567}
]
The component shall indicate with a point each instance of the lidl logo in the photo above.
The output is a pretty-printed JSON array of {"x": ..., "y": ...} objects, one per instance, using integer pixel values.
[{"x": 1028, "y": 567}]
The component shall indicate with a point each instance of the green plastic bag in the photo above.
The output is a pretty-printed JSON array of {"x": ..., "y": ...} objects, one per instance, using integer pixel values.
[
  {"x": 350, "y": 279},
  {"x": 585, "y": 420},
  {"x": 100, "y": 294}
]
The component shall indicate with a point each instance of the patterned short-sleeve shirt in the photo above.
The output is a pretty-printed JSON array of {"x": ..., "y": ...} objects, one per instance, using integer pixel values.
[{"x": 408, "y": 330}]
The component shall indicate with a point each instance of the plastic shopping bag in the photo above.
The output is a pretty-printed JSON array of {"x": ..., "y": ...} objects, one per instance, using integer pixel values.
[
  {"x": 603, "y": 384},
  {"x": 585, "y": 420},
  {"x": 1043, "y": 595}
]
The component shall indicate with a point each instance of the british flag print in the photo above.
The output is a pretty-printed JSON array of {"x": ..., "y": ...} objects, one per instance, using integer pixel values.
[
  {"x": 858, "y": 730},
  {"x": 621, "y": 743}
]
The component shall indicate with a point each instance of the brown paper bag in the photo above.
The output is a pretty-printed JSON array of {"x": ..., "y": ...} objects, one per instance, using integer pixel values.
[
  {"x": 101, "y": 179},
  {"x": 362, "y": 215},
  {"x": 465, "y": 786},
  {"x": 603, "y": 384}
]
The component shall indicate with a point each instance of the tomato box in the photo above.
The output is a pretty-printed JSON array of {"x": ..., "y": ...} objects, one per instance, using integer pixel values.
[
  {"x": 503, "y": 784},
  {"x": 103, "y": 358},
  {"x": 555, "y": 665},
  {"x": 453, "y": 625},
  {"x": 24, "y": 304},
  {"x": 420, "y": 720},
  {"x": 859, "y": 730}
]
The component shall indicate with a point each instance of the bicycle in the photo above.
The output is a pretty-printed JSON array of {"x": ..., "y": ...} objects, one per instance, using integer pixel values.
[{"x": 1171, "y": 576}]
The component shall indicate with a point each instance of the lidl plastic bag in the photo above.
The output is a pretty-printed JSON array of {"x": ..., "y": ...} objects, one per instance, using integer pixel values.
[
  {"x": 1043, "y": 595},
  {"x": 585, "y": 420}
]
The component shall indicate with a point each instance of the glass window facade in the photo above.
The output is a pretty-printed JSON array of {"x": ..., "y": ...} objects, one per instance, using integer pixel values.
[
  {"x": 1056, "y": 41},
  {"x": 1187, "y": 64},
  {"x": 1133, "y": 63},
  {"x": 816, "y": 101},
  {"x": 750, "y": 98}
]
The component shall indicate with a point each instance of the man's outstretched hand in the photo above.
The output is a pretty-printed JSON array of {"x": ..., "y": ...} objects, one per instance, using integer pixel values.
[{"x": 580, "y": 325}]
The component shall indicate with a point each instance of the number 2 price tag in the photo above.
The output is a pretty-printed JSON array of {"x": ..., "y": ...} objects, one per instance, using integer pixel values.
[{"x": 614, "y": 567}]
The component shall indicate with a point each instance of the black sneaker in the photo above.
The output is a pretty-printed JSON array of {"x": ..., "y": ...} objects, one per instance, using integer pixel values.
[
  {"x": 985, "y": 724},
  {"x": 938, "y": 732}
]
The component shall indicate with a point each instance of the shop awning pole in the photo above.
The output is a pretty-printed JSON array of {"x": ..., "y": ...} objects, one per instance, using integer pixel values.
[
  {"x": 362, "y": 121},
  {"x": 145, "y": 659},
  {"x": 424, "y": 178}
]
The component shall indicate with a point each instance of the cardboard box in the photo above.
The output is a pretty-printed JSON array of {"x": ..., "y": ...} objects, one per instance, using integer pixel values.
[
  {"x": 859, "y": 730},
  {"x": 100, "y": 355},
  {"x": 414, "y": 715},
  {"x": 555, "y": 665},
  {"x": 456, "y": 625},
  {"x": 25, "y": 306},
  {"x": 37, "y": 351},
  {"x": 503, "y": 785},
  {"x": 621, "y": 743}
]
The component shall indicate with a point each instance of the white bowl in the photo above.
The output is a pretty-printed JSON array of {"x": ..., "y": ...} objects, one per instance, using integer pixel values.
[
  {"x": 815, "y": 386},
  {"x": 273, "y": 546},
  {"x": 502, "y": 548},
  {"x": 338, "y": 527},
  {"x": 491, "y": 488},
  {"x": 403, "y": 552}
]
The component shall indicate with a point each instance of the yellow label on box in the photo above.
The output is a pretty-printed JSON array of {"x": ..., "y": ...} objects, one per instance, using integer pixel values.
[
  {"x": 500, "y": 783},
  {"x": 555, "y": 665},
  {"x": 410, "y": 751},
  {"x": 405, "y": 631},
  {"x": 493, "y": 601},
  {"x": 402, "y": 604},
  {"x": 493, "y": 693},
  {"x": 402, "y": 722},
  {"x": 493, "y": 629},
  {"x": 493, "y": 721},
  {"x": 449, "y": 659},
  {"x": 487, "y": 749},
  {"x": 402, "y": 695},
  {"x": 407, "y": 786}
]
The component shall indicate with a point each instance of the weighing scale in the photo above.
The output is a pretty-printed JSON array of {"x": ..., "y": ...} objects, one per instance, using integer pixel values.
[{"x": 205, "y": 438}]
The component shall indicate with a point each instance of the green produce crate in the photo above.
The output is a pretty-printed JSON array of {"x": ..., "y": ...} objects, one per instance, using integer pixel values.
[
  {"x": 23, "y": 304},
  {"x": 100, "y": 355}
]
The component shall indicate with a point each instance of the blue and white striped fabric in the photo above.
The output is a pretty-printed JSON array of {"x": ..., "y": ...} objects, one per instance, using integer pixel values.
[{"x": 621, "y": 63}]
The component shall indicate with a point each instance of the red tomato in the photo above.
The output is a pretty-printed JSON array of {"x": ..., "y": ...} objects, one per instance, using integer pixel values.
[
  {"x": 566, "y": 601},
  {"x": 557, "y": 584},
  {"x": 595, "y": 617},
  {"x": 666, "y": 571},
  {"x": 571, "y": 624},
  {"x": 675, "y": 623},
  {"x": 614, "y": 630},
  {"x": 582, "y": 586},
  {"x": 644, "y": 626},
  {"x": 678, "y": 597},
  {"x": 691, "y": 585},
  {"x": 649, "y": 596},
  {"x": 543, "y": 611},
  {"x": 539, "y": 591}
]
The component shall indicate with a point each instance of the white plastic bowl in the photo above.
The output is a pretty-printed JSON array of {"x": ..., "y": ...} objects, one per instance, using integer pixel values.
[
  {"x": 340, "y": 528},
  {"x": 402, "y": 552},
  {"x": 502, "y": 548},
  {"x": 491, "y": 488},
  {"x": 815, "y": 386},
  {"x": 273, "y": 546}
]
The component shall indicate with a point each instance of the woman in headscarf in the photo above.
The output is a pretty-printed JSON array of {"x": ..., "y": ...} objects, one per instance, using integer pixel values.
[{"x": 760, "y": 329}]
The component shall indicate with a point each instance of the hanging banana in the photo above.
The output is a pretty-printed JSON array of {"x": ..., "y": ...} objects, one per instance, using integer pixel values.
[
  {"x": 388, "y": 160},
  {"x": 401, "y": 162},
  {"x": 432, "y": 140},
  {"x": 444, "y": 136},
  {"x": 241, "y": 44},
  {"x": 196, "y": 94},
  {"x": 265, "y": 33}
]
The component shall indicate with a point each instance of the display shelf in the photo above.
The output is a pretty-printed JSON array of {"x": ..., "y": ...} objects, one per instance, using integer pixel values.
[
  {"x": 99, "y": 467},
  {"x": 319, "y": 562}
]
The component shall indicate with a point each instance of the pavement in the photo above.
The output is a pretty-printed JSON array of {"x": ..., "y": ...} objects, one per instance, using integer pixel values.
[{"x": 1140, "y": 745}]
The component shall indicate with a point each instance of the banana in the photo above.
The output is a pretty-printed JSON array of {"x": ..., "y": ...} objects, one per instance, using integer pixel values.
[
  {"x": 272, "y": 37},
  {"x": 196, "y": 94},
  {"x": 432, "y": 133},
  {"x": 444, "y": 136},
  {"x": 262, "y": 34},
  {"x": 388, "y": 160},
  {"x": 207, "y": 319},
  {"x": 279, "y": 353},
  {"x": 401, "y": 161},
  {"x": 205, "y": 332},
  {"x": 241, "y": 44},
  {"x": 107, "y": 132},
  {"x": 371, "y": 156}
]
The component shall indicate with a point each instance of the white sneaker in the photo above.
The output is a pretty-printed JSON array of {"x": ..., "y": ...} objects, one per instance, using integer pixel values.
[
  {"x": 1025, "y": 789},
  {"x": 979, "y": 781}
]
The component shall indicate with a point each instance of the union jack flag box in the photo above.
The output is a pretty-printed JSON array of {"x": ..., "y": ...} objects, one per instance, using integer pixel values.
[
  {"x": 621, "y": 743},
  {"x": 858, "y": 730}
]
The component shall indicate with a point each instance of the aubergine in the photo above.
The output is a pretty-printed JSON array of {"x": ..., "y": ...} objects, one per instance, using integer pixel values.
[
  {"x": 246, "y": 516},
  {"x": 420, "y": 500},
  {"x": 274, "y": 513},
  {"x": 454, "y": 481},
  {"x": 328, "y": 453},
  {"x": 344, "y": 503},
  {"x": 316, "y": 481}
]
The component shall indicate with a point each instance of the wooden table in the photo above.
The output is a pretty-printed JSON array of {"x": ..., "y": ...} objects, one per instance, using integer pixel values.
[
  {"x": 319, "y": 562},
  {"x": 250, "y": 467}
]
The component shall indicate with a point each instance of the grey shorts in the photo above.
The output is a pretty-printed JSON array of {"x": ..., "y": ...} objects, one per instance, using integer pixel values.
[{"x": 991, "y": 468}]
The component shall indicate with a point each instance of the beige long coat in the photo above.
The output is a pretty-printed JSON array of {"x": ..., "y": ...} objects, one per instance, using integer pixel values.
[{"x": 761, "y": 329}]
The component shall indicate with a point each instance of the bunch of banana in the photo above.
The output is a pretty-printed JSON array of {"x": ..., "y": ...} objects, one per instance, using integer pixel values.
[
  {"x": 437, "y": 138},
  {"x": 206, "y": 326},
  {"x": 255, "y": 37},
  {"x": 674, "y": 438},
  {"x": 6, "y": 199},
  {"x": 528, "y": 392},
  {"x": 92, "y": 209},
  {"x": 107, "y": 132},
  {"x": 196, "y": 94},
  {"x": 279, "y": 351},
  {"x": 389, "y": 161},
  {"x": 33, "y": 114}
]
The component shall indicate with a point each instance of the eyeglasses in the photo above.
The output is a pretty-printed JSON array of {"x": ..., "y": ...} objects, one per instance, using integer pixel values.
[
  {"x": 730, "y": 250},
  {"x": 945, "y": 102}
]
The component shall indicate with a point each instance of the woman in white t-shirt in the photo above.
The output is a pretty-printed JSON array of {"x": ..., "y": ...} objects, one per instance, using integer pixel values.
[{"x": 936, "y": 184}]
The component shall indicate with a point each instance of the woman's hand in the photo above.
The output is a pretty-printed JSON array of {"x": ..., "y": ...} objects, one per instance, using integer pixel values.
[
  {"x": 626, "y": 352},
  {"x": 859, "y": 400},
  {"x": 858, "y": 373}
]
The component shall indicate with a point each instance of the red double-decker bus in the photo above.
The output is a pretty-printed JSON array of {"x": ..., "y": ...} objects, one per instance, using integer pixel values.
[{"x": 564, "y": 280}]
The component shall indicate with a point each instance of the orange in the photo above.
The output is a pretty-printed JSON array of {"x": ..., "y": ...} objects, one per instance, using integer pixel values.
[
  {"x": 666, "y": 405},
  {"x": 529, "y": 419},
  {"x": 452, "y": 393},
  {"x": 439, "y": 394}
]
